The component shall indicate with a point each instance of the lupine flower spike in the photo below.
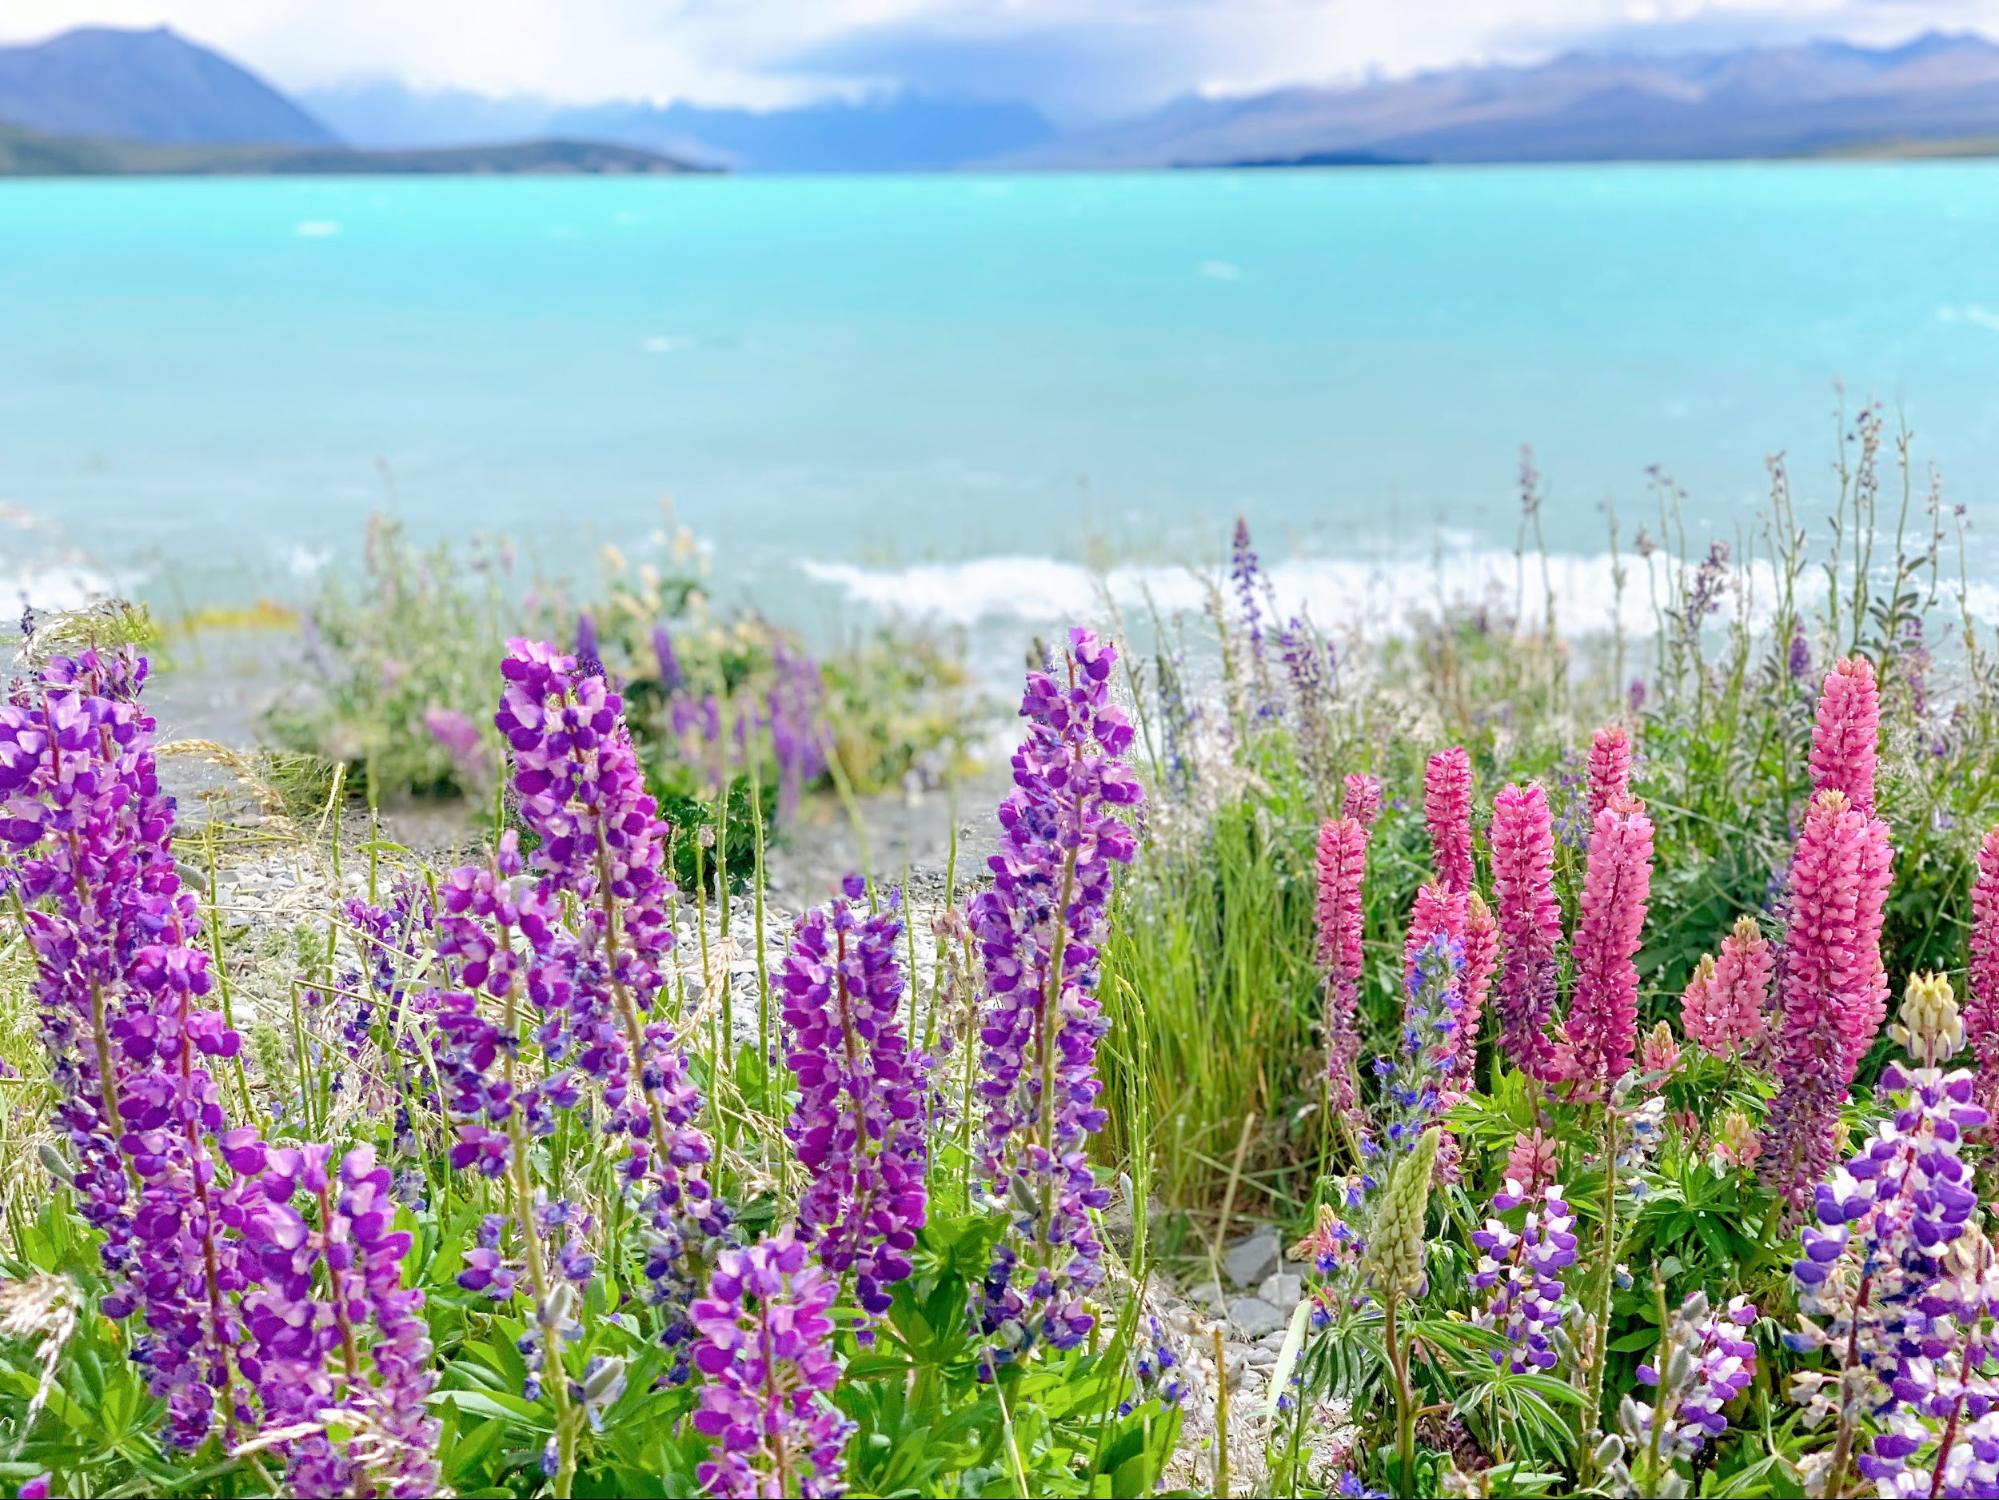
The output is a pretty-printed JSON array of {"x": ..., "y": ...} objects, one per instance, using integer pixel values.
[
  {"x": 1724, "y": 1004},
  {"x": 1846, "y": 733},
  {"x": 1834, "y": 990},
  {"x": 858, "y": 1127},
  {"x": 1447, "y": 811},
  {"x": 764, "y": 1340},
  {"x": 1530, "y": 923},
  {"x": 1342, "y": 863},
  {"x": 1609, "y": 768},
  {"x": 1981, "y": 1011},
  {"x": 1038, "y": 928},
  {"x": 1603, "y": 1013}
]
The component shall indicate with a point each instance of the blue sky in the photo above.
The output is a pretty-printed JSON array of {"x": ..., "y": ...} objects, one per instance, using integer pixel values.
[{"x": 1075, "y": 58}]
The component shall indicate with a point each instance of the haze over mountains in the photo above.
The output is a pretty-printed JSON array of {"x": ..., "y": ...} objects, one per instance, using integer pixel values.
[{"x": 158, "y": 89}]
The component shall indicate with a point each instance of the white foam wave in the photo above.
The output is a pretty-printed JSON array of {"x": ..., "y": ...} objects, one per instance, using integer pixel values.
[
  {"x": 54, "y": 586},
  {"x": 1369, "y": 597},
  {"x": 1972, "y": 313},
  {"x": 316, "y": 229},
  {"x": 665, "y": 343}
]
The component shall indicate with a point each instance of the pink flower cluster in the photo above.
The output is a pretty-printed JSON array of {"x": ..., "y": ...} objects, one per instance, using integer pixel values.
[
  {"x": 1530, "y": 923},
  {"x": 1447, "y": 811},
  {"x": 1609, "y": 773},
  {"x": 1981, "y": 1011},
  {"x": 1342, "y": 863},
  {"x": 1833, "y": 992},
  {"x": 1724, "y": 1002},
  {"x": 1602, "y": 1023}
]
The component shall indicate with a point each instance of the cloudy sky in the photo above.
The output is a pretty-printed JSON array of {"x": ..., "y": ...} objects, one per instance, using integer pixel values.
[{"x": 1073, "y": 57}]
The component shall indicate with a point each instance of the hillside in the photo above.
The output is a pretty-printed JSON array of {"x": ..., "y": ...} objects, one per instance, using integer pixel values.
[
  {"x": 153, "y": 86},
  {"x": 26, "y": 153},
  {"x": 1582, "y": 106}
]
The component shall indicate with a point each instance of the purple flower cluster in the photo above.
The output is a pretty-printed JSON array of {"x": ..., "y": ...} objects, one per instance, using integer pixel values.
[
  {"x": 1038, "y": 929},
  {"x": 573, "y": 948},
  {"x": 202, "y": 1246},
  {"x": 1894, "y": 1278},
  {"x": 858, "y": 1127},
  {"x": 764, "y": 1340},
  {"x": 1523, "y": 1271},
  {"x": 1707, "y": 1364}
]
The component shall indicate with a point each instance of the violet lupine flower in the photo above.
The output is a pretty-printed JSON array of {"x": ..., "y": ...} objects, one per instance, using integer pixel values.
[
  {"x": 1895, "y": 1273},
  {"x": 1248, "y": 577},
  {"x": 793, "y": 716},
  {"x": 1038, "y": 929},
  {"x": 1413, "y": 1080},
  {"x": 1523, "y": 1271},
  {"x": 665, "y": 661},
  {"x": 1798, "y": 660},
  {"x": 1609, "y": 768},
  {"x": 1845, "y": 733},
  {"x": 458, "y": 737},
  {"x": 1447, "y": 811},
  {"x": 1981, "y": 1011},
  {"x": 1530, "y": 923},
  {"x": 603, "y": 844},
  {"x": 1708, "y": 1364},
  {"x": 1360, "y": 798},
  {"x": 858, "y": 1127},
  {"x": 329, "y": 1310},
  {"x": 1725, "y": 999},
  {"x": 764, "y": 1336},
  {"x": 120, "y": 990},
  {"x": 1342, "y": 864},
  {"x": 1602, "y": 1023},
  {"x": 1833, "y": 992},
  {"x": 587, "y": 657}
]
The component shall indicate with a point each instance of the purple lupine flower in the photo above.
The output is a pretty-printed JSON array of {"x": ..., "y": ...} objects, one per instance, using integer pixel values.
[
  {"x": 588, "y": 658},
  {"x": 764, "y": 1336},
  {"x": 121, "y": 994},
  {"x": 1038, "y": 929},
  {"x": 793, "y": 711},
  {"x": 1708, "y": 1363},
  {"x": 331, "y": 1326},
  {"x": 1893, "y": 1273},
  {"x": 1798, "y": 660},
  {"x": 1248, "y": 576},
  {"x": 664, "y": 659},
  {"x": 1523, "y": 1271},
  {"x": 594, "y": 911},
  {"x": 859, "y": 1124}
]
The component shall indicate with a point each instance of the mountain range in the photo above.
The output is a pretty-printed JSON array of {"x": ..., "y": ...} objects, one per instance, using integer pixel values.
[{"x": 126, "y": 93}]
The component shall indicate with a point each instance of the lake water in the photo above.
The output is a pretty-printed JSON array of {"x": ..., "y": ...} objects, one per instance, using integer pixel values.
[{"x": 956, "y": 392}]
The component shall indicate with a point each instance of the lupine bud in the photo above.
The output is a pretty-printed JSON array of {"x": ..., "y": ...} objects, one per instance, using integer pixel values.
[
  {"x": 1394, "y": 1260},
  {"x": 1929, "y": 1029}
]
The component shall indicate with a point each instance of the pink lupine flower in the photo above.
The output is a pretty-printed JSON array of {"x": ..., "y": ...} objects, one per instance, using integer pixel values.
[
  {"x": 1534, "y": 1162},
  {"x": 1530, "y": 922},
  {"x": 1447, "y": 809},
  {"x": 1609, "y": 767},
  {"x": 1659, "y": 1057},
  {"x": 1361, "y": 799},
  {"x": 1834, "y": 991},
  {"x": 1437, "y": 909},
  {"x": 1844, "y": 736},
  {"x": 1481, "y": 956},
  {"x": 1342, "y": 863},
  {"x": 1602, "y": 1023},
  {"x": 1724, "y": 1002},
  {"x": 1981, "y": 1011}
]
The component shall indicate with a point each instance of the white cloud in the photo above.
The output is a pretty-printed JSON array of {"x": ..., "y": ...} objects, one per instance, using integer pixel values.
[{"x": 1072, "y": 55}]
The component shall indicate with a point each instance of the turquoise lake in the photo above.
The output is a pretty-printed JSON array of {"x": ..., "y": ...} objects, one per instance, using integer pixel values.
[{"x": 919, "y": 390}]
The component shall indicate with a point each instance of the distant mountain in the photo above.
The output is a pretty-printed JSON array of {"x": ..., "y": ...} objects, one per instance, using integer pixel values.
[
  {"x": 899, "y": 133},
  {"x": 1582, "y": 106},
  {"x": 150, "y": 86},
  {"x": 383, "y": 113},
  {"x": 26, "y": 153}
]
